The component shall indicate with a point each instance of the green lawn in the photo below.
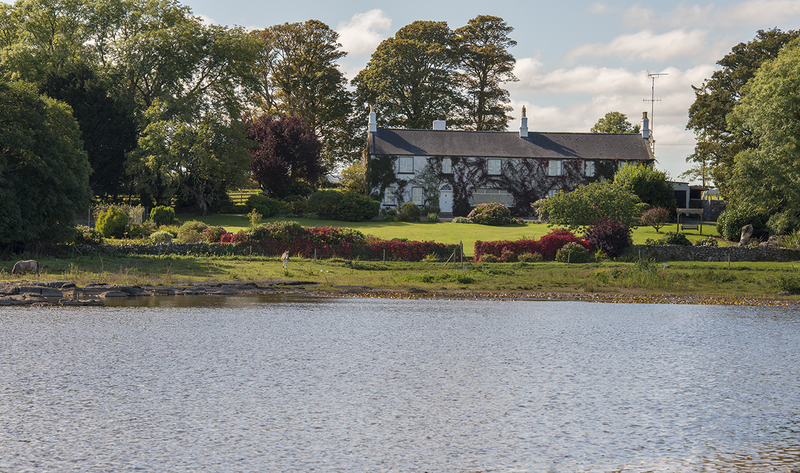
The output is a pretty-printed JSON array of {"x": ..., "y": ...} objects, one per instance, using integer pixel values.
[{"x": 444, "y": 232}]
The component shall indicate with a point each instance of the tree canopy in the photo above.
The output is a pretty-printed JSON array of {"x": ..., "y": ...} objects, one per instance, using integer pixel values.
[
  {"x": 587, "y": 205},
  {"x": 715, "y": 99},
  {"x": 286, "y": 153},
  {"x": 410, "y": 76},
  {"x": 766, "y": 176},
  {"x": 649, "y": 184},
  {"x": 44, "y": 171},
  {"x": 615, "y": 122},
  {"x": 482, "y": 49}
]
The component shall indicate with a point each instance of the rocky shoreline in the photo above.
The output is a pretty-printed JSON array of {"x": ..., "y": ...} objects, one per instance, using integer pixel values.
[{"x": 60, "y": 293}]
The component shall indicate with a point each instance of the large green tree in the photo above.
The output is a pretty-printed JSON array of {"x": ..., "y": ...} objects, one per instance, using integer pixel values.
[
  {"x": 766, "y": 176},
  {"x": 482, "y": 50},
  {"x": 649, "y": 184},
  {"x": 108, "y": 128},
  {"x": 298, "y": 75},
  {"x": 716, "y": 98},
  {"x": 44, "y": 172},
  {"x": 411, "y": 76},
  {"x": 195, "y": 161},
  {"x": 614, "y": 122},
  {"x": 587, "y": 205}
]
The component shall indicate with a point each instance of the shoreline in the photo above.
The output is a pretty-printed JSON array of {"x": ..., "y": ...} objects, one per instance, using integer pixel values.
[{"x": 65, "y": 293}]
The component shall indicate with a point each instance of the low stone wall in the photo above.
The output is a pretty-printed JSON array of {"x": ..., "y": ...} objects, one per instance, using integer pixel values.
[{"x": 715, "y": 253}]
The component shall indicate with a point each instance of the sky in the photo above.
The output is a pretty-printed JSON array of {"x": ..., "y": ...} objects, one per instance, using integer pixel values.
[{"x": 575, "y": 60}]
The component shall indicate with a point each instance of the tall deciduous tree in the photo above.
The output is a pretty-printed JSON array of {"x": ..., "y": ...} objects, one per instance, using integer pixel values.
[
  {"x": 614, "y": 122},
  {"x": 767, "y": 176},
  {"x": 196, "y": 161},
  {"x": 108, "y": 128},
  {"x": 44, "y": 172},
  {"x": 717, "y": 97},
  {"x": 298, "y": 75},
  {"x": 286, "y": 152},
  {"x": 482, "y": 49},
  {"x": 410, "y": 77}
]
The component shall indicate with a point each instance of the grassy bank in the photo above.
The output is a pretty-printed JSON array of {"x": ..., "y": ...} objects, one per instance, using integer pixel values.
[
  {"x": 444, "y": 232},
  {"x": 737, "y": 281}
]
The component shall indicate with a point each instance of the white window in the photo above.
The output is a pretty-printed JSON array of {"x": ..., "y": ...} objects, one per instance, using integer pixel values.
[
  {"x": 554, "y": 167},
  {"x": 388, "y": 196},
  {"x": 447, "y": 165},
  {"x": 405, "y": 165},
  {"x": 494, "y": 167},
  {"x": 416, "y": 195},
  {"x": 551, "y": 192},
  {"x": 588, "y": 169}
]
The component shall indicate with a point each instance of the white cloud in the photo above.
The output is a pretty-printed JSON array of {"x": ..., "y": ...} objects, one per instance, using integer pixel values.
[
  {"x": 599, "y": 8},
  {"x": 364, "y": 32},
  {"x": 647, "y": 45},
  {"x": 752, "y": 13}
]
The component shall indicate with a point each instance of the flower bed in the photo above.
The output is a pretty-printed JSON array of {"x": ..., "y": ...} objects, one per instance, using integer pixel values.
[{"x": 547, "y": 246}]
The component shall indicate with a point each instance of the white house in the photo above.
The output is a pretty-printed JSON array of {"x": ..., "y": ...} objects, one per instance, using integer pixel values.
[{"x": 513, "y": 168}]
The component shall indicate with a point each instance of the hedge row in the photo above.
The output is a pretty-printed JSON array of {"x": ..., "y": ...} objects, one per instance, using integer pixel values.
[{"x": 547, "y": 246}]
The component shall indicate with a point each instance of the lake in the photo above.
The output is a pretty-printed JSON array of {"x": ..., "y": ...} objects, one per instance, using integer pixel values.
[{"x": 355, "y": 384}]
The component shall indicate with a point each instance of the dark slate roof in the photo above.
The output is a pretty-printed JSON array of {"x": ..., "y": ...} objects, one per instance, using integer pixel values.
[{"x": 494, "y": 144}]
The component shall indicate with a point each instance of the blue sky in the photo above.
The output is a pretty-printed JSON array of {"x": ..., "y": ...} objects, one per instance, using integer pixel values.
[{"x": 575, "y": 60}]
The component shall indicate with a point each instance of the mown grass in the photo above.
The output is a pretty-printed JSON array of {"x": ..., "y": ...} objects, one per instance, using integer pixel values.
[
  {"x": 443, "y": 232},
  {"x": 738, "y": 280}
]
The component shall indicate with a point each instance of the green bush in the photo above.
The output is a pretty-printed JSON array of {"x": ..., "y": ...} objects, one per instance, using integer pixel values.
[
  {"x": 162, "y": 215},
  {"x": 356, "y": 207},
  {"x": 409, "y": 212},
  {"x": 161, "y": 236},
  {"x": 788, "y": 283},
  {"x": 792, "y": 240},
  {"x": 461, "y": 220},
  {"x": 572, "y": 252},
  {"x": 139, "y": 230},
  {"x": 390, "y": 215},
  {"x": 192, "y": 232},
  {"x": 87, "y": 236},
  {"x": 670, "y": 238},
  {"x": 488, "y": 258},
  {"x": 491, "y": 214},
  {"x": 265, "y": 206},
  {"x": 783, "y": 223},
  {"x": 325, "y": 204},
  {"x": 530, "y": 258},
  {"x": 733, "y": 218},
  {"x": 433, "y": 217},
  {"x": 112, "y": 222}
]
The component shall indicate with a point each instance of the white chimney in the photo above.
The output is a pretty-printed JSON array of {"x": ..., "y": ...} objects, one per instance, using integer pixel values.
[
  {"x": 645, "y": 126},
  {"x": 373, "y": 120},
  {"x": 439, "y": 124},
  {"x": 523, "y": 125}
]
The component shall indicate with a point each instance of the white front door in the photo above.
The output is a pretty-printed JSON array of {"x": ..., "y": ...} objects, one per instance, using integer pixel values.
[{"x": 446, "y": 200}]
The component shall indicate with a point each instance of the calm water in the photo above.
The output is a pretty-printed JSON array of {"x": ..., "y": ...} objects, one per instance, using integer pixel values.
[{"x": 246, "y": 384}]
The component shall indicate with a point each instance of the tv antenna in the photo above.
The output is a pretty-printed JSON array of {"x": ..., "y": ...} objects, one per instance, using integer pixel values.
[{"x": 653, "y": 76}]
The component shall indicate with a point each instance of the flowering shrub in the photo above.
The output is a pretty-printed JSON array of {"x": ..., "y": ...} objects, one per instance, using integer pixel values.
[
  {"x": 491, "y": 214},
  {"x": 707, "y": 241},
  {"x": 656, "y": 217},
  {"x": 546, "y": 246},
  {"x": 610, "y": 236},
  {"x": 214, "y": 234},
  {"x": 572, "y": 252}
]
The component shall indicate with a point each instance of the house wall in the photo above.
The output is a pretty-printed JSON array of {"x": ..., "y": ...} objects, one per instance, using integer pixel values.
[{"x": 535, "y": 174}]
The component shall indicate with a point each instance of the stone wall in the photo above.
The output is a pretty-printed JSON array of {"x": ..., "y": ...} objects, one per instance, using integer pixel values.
[{"x": 715, "y": 253}]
